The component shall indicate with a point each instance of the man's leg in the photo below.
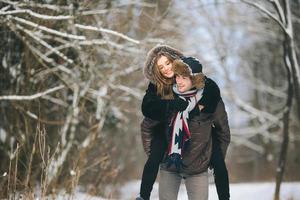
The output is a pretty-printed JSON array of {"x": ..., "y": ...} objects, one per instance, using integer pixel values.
[
  {"x": 169, "y": 183},
  {"x": 197, "y": 186}
]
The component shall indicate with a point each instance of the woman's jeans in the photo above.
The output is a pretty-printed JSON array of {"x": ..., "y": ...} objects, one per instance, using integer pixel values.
[
  {"x": 196, "y": 185},
  {"x": 217, "y": 162},
  {"x": 157, "y": 150}
]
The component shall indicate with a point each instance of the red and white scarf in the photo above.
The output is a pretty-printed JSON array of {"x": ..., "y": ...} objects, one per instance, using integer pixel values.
[{"x": 179, "y": 129}]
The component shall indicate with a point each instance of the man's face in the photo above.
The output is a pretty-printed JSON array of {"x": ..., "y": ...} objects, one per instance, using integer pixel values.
[
  {"x": 165, "y": 67},
  {"x": 184, "y": 83}
]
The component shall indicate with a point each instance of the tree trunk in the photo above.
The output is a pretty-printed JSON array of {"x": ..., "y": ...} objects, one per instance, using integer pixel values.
[
  {"x": 292, "y": 55},
  {"x": 284, "y": 145}
]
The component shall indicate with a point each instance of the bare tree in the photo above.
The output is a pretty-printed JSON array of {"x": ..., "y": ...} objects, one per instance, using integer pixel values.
[
  {"x": 284, "y": 20},
  {"x": 66, "y": 68}
]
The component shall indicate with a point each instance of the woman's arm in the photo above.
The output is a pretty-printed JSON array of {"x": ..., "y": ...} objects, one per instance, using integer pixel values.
[
  {"x": 156, "y": 108},
  {"x": 222, "y": 130},
  {"x": 211, "y": 97}
]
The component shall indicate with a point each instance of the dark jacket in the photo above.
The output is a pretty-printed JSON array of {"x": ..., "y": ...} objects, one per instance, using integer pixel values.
[
  {"x": 197, "y": 155},
  {"x": 157, "y": 111}
]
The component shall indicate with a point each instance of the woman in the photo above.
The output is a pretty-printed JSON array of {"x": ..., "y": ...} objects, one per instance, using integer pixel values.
[
  {"x": 159, "y": 99},
  {"x": 158, "y": 103}
]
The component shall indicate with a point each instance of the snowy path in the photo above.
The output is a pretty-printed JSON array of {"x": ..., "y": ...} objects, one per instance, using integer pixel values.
[{"x": 241, "y": 191}]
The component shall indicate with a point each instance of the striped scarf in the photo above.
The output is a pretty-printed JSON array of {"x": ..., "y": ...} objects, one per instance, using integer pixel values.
[{"x": 179, "y": 131}]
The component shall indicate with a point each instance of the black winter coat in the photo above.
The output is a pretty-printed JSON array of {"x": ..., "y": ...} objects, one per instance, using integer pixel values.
[
  {"x": 156, "y": 108},
  {"x": 157, "y": 112}
]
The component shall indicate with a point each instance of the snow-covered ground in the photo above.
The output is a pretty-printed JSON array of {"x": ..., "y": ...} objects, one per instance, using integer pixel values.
[{"x": 241, "y": 191}]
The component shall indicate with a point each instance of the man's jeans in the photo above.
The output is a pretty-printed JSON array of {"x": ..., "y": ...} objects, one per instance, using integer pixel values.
[{"x": 196, "y": 185}]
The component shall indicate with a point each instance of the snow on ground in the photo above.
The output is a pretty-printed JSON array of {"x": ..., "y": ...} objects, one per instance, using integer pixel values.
[
  {"x": 240, "y": 191},
  {"x": 77, "y": 196}
]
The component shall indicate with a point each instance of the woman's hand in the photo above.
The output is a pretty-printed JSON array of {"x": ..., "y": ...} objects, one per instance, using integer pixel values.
[{"x": 178, "y": 104}]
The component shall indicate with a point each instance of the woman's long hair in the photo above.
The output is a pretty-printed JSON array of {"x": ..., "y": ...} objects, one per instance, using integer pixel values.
[{"x": 163, "y": 84}]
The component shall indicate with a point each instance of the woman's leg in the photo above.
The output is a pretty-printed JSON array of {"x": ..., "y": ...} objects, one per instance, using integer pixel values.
[
  {"x": 157, "y": 150},
  {"x": 197, "y": 186},
  {"x": 220, "y": 172},
  {"x": 169, "y": 183}
]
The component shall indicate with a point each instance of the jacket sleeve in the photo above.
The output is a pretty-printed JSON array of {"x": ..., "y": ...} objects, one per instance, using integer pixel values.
[
  {"x": 211, "y": 96},
  {"x": 153, "y": 106},
  {"x": 147, "y": 129},
  {"x": 222, "y": 127}
]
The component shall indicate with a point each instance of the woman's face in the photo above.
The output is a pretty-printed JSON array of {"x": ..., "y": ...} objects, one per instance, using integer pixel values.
[
  {"x": 183, "y": 83},
  {"x": 165, "y": 67}
]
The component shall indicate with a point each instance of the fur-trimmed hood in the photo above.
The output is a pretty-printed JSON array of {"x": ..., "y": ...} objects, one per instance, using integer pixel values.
[{"x": 150, "y": 59}]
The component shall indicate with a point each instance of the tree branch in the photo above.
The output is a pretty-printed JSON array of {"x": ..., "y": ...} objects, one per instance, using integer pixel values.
[
  {"x": 93, "y": 28},
  {"x": 267, "y": 12},
  {"x": 31, "y": 97},
  {"x": 49, "y": 30},
  {"x": 279, "y": 10},
  {"x": 45, "y": 44},
  {"x": 37, "y": 15}
]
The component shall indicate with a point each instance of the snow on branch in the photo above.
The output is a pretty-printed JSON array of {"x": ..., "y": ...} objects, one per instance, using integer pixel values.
[
  {"x": 5, "y": 8},
  {"x": 126, "y": 71},
  {"x": 261, "y": 115},
  {"x": 92, "y": 12},
  {"x": 13, "y": 3},
  {"x": 135, "y": 93},
  {"x": 55, "y": 100},
  {"x": 37, "y": 15},
  {"x": 40, "y": 56},
  {"x": 49, "y": 30},
  {"x": 93, "y": 28},
  {"x": 31, "y": 97},
  {"x": 263, "y": 87},
  {"x": 143, "y": 4},
  {"x": 45, "y": 6},
  {"x": 279, "y": 10},
  {"x": 267, "y": 12},
  {"x": 45, "y": 44},
  {"x": 249, "y": 144},
  {"x": 251, "y": 131}
]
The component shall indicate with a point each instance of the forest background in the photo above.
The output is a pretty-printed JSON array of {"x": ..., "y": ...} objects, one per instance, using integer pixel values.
[{"x": 71, "y": 86}]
